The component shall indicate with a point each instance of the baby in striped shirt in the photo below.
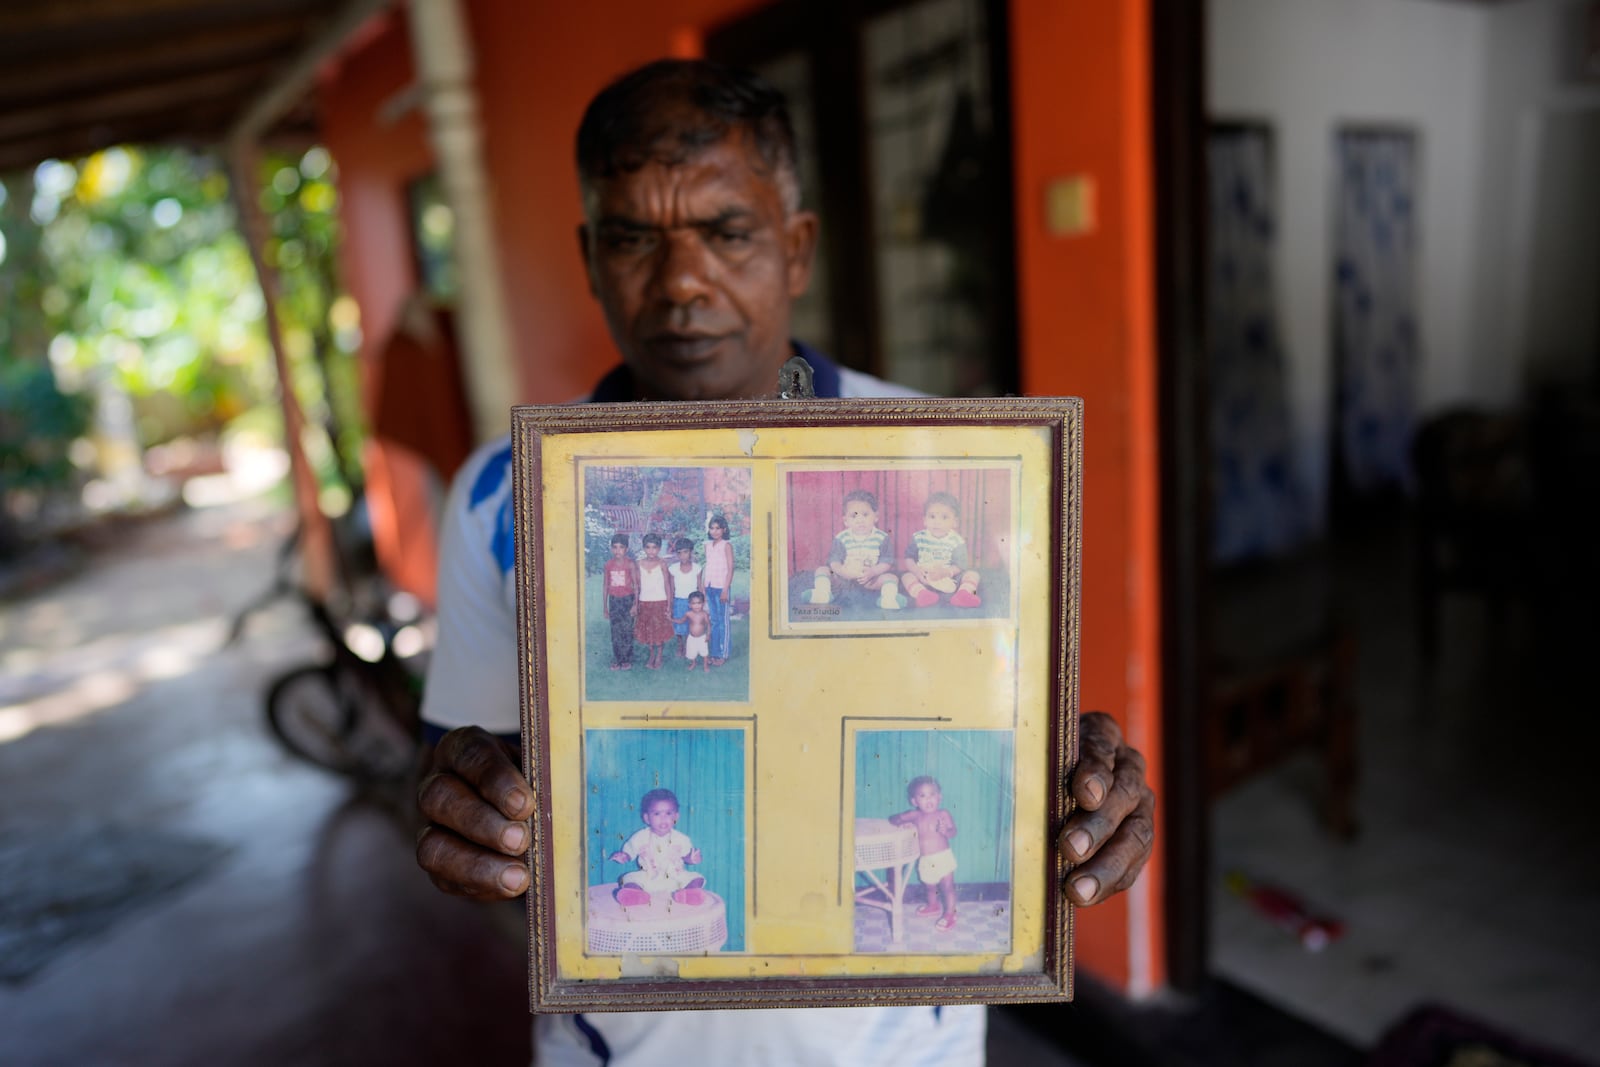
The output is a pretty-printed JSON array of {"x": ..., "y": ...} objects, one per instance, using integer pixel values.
[{"x": 861, "y": 561}]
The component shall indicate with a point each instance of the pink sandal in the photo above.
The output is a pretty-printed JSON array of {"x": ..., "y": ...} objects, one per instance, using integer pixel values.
[{"x": 946, "y": 923}]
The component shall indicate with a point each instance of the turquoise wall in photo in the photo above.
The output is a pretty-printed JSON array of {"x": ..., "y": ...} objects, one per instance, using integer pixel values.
[{"x": 974, "y": 769}]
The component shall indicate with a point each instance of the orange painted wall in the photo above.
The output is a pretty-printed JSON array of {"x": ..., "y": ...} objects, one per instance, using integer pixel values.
[
  {"x": 1080, "y": 72},
  {"x": 376, "y": 159},
  {"x": 535, "y": 76}
]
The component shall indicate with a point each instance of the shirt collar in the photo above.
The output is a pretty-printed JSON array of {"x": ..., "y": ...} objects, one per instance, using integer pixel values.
[{"x": 617, "y": 385}]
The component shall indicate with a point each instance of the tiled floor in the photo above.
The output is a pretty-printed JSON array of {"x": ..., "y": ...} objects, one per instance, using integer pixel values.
[
  {"x": 1475, "y": 878},
  {"x": 176, "y": 891},
  {"x": 982, "y": 925}
]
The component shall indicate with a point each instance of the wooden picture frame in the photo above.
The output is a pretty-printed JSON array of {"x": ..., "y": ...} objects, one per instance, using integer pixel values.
[{"x": 799, "y": 700}]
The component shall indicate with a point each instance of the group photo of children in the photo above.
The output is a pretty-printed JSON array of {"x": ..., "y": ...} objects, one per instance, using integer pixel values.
[
  {"x": 902, "y": 545},
  {"x": 666, "y": 583},
  {"x": 664, "y": 841},
  {"x": 952, "y": 790}
]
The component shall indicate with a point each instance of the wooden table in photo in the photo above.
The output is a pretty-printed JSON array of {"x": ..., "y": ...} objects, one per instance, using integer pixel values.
[{"x": 883, "y": 846}]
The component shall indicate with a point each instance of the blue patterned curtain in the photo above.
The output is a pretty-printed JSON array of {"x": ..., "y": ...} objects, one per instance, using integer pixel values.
[
  {"x": 1376, "y": 349},
  {"x": 1258, "y": 506}
]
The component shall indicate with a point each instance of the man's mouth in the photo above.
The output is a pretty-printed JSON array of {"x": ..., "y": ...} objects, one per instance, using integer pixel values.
[{"x": 684, "y": 347}]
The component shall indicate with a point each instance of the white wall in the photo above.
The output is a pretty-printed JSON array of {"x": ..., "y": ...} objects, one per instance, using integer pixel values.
[
  {"x": 1477, "y": 84},
  {"x": 1539, "y": 260},
  {"x": 1308, "y": 68}
]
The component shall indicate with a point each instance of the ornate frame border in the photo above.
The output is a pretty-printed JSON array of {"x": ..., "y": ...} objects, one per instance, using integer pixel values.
[{"x": 1063, "y": 417}]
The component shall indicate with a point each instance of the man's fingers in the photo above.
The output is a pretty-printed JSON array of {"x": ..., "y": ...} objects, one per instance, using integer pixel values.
[
  {"x": 1117, "y": 862},
  {"x": 478, "y": 757},
  {"x": 1099, "y": 742},
  {"x": 454, "y": 805},
  {"x": 1089, "y": 828},
  {"x": 463, "y": 869},
  {"x": 1110, "y": 835}
]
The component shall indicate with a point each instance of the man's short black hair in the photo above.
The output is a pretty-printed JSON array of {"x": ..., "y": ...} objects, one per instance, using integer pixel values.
[{"x": 670, "y": 110}]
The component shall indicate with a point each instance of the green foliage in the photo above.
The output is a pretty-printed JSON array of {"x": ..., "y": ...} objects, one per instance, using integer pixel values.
[
  {"x": 127, "y": 269},
  {"x": 674, "y": 502},
  {"x": 38, "y": 424}
]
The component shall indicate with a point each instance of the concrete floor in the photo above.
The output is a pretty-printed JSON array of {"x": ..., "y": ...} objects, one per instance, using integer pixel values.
[
  {"x": 308, "y": 936},
  {"x": 177, "y": 890},
  {"x": 1473, "y": 881}
]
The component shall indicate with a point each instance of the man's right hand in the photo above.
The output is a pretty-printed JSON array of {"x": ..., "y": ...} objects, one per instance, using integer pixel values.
[{"x": 476, "y": 805}]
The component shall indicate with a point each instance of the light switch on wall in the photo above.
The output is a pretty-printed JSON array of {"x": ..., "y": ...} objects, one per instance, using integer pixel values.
[{"x": 1069, "y": 206}]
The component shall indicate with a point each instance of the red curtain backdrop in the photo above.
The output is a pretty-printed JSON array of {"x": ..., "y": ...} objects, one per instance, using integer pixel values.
[{"x": 816, "y": 504}]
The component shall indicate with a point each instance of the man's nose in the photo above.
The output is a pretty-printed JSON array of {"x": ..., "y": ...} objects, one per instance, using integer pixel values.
[{"x": 683, "y": 272}]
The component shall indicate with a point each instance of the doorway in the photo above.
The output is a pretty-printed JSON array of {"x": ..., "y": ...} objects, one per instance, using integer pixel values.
[{"x": 899, "y": 111}]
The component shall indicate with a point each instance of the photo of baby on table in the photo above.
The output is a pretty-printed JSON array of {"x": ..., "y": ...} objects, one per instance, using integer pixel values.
[
  {"x": 666, "y": 583},
  {"x": 932, "y": 842},
  {"x": 903, "y": 545},
  {"x": 664, "y": 841}
]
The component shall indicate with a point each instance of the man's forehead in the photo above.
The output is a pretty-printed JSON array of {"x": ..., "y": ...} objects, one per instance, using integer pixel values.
[{"x": 727, "y": 174}]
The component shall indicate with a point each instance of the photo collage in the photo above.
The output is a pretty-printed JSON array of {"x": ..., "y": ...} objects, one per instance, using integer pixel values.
[{"x": 790, "y": 604}]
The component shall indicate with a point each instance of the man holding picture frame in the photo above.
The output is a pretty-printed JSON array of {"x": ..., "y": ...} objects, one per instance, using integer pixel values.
[{"x": 695, "y": 247}]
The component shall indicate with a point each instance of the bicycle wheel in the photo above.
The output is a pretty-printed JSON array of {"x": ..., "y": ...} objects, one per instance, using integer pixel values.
[
  {"x": 327, "y": 716},
  {"x": 311, "y": 718}
]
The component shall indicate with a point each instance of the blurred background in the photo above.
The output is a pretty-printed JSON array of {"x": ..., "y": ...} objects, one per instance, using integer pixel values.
[{"x": 1326, "y": 272}]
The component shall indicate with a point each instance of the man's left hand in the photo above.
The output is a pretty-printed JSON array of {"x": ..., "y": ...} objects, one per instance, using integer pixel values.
[{"x": 1110, "y": 835}]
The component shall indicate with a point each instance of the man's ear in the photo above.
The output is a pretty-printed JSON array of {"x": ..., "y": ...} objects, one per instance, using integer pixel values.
[
  {"x": 800, "y": 246},
  {"x": 588, "y": 258}
]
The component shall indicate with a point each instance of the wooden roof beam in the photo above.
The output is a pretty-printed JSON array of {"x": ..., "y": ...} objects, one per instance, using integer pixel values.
[
  {"x": 53, "y": 76},
  {"x": 170, "y": 96},
  {"x": 201, "y": 126},
  {"x": 71, "y": 14}
]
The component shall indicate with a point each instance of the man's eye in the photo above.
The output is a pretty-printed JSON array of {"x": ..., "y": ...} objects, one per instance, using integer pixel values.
[
  {"x": 731, "y": 238},
  {"x": 623, "y": 241}
]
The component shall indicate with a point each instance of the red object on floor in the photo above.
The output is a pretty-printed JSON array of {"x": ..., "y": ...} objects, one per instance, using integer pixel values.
[{"x": 1287, "y": 910}]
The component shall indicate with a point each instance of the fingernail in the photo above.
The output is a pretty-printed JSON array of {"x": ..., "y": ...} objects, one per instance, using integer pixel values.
[
  {"x": 1079, "y": 842},
  {"x": 514, "y": 802},
  {"x": 516, "y": 838},
  {"x": 514, "y": 878},
  {"x": 1096, "y": 791},
  {"x": 1086, "y": 888}
]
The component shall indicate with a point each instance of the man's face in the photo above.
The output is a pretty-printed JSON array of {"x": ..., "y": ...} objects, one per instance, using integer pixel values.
[{"x": 695, "y": 267}]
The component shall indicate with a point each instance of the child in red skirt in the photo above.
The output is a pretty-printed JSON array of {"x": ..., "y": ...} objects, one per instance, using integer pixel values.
[{"x": 654, "y": 625}]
